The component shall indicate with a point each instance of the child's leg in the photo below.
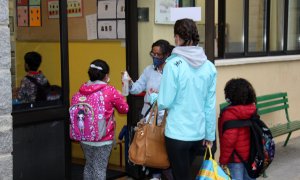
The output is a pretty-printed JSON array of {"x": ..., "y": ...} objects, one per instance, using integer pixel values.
[
  {"x": 96, "y": 161},
  {"x": 246, "y": 176},
  {"x": 236, "y": 171}
]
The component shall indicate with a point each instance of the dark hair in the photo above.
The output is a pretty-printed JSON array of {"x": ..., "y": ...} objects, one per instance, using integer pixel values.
[
  {"x": 239, "y": 91},
  {"x": 33, "y": 60},
  {"x": 165, "y": 47},
  {"x": 187, "y": 30},
  {"x": 97, "y": 74}
]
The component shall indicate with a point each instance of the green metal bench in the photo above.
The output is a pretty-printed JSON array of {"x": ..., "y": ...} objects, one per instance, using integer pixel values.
[{"x": 267, "y": 104}]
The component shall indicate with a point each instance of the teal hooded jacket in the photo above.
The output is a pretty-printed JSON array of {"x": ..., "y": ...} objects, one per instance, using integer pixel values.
[{"x": 188, "y": 92}]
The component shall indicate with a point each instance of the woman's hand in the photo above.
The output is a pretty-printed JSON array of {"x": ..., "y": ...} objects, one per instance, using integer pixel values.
[
  {"x": 129, "y": 78},
  {"x": 207, "y": 143},
  {"x": 151, "y": 90}
]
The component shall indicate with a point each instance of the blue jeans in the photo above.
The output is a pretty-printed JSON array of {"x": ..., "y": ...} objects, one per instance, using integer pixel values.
[{"x": 238, "y": 171}]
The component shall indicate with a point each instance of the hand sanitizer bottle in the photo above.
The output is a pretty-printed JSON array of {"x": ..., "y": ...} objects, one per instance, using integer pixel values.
[{"x": 125, "y": 84}]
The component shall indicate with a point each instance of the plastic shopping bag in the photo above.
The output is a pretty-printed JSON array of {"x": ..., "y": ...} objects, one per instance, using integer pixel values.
[{"x": 210, "y": 170}]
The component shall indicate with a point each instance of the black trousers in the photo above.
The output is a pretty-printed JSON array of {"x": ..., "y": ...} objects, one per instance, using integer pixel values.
[{"x": 182, "y": 155}]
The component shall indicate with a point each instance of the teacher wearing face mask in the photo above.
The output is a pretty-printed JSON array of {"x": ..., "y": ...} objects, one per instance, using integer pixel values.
[{"x": 149, "y": 81}]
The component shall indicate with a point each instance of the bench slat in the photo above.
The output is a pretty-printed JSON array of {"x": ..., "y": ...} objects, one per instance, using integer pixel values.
[
  {"x": 272, "y": 109},
  {"x": 271, "y": 96},
  {"x": 285, "y": 128},
  {"x": 263, "y": 104}
]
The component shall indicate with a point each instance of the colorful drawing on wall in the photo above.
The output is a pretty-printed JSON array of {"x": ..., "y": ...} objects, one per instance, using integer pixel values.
[
  {"x": 74, "y": 8},
  {"x": 29, "y": 13},
  {"x": 53, "y": 9},
  {"x": 22, "y": 14},
  {"x": 35, "y": 16},
  {"x": 34, "y": 2},
  {"x": 22, "y": 2}
]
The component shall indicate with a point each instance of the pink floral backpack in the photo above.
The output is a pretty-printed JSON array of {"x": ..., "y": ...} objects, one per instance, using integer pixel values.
[{"x": 87, "y": 120}]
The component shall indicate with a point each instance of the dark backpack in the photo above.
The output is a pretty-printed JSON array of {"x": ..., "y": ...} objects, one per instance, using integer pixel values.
[
  {"x": 262, "y": 146},
  {"x": 46, "y": 91}
]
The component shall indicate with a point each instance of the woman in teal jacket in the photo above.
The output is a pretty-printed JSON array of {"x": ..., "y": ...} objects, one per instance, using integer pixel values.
[{"x": 188, "y": 92}]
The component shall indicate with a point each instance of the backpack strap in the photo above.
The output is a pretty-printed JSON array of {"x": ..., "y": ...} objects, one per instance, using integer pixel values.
[
  {"x": 236, "y": 124},
  {"x": 33, "y": 80}
]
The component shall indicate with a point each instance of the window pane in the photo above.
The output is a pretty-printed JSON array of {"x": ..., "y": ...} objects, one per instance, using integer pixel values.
[
  {"x": 276, "y": 25},
  {"x": 234, "y": 31},
  {"x": 188, "y": 3},
  {"x": 294, "y": 25},
  {"x": 256, "y": 25},
  {"x": 36, "y": 74}
]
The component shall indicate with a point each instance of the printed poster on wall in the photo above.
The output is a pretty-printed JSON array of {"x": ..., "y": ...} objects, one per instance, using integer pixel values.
[
  {"x": 74, "y": 8},
  {"x": 35, "y": 16},
  {"x": 22, "y": 13},
  {"x": 107, "y": 30},
  {"x": 22, "y": 2},
  {"x": 162, "y": 10},
  {"x": 111, "y": 19},
  {"x": 34, "y": 2},
  {"x": 29, "y": 13},
  {"x": 91, "y": 26},
  {"x": 107, "y": 9},
  {"x": 121, "y": 29},
  {"x": 121, "y": 9}
]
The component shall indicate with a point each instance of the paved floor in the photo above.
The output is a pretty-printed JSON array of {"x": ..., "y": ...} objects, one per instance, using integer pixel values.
[{"x": 286, "y": 164}]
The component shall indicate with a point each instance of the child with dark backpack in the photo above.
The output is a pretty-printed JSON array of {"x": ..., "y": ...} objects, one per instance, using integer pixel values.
[
  {"x": 235, "y": 142},
  {"x": 92, "y": 119},
  {"x": 32, "y": 84}
]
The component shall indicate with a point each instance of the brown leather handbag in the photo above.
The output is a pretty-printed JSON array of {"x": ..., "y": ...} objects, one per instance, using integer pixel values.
[{"x": 148, "y": 144}]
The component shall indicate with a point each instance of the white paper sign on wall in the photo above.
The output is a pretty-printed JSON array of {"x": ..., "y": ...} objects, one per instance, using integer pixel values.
[{"x": 185, "y": 12}]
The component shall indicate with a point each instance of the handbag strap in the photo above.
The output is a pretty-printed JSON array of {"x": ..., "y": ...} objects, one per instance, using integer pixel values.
[
  {"x": 164, "y": 120},
  {"x": 153, "y": 112}
]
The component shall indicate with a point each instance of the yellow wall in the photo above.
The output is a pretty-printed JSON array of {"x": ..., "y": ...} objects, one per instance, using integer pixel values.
[
  {"x": 81, "y": 54},
  {"x": 50, "y": 52}
]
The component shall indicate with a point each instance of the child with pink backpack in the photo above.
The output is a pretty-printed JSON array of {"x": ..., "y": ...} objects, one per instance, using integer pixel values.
[{"x": 92, "y": 119}]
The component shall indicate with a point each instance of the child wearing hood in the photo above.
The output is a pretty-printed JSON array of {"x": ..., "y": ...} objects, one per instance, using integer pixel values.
[
  {"x": 97, "y": 153},
  {"x": 188, "y": 92}
]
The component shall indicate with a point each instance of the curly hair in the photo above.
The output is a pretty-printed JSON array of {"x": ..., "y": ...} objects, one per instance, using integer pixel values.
[
  {"x": 239, "y": 91},
  {"x": 187, "y": 30}
]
